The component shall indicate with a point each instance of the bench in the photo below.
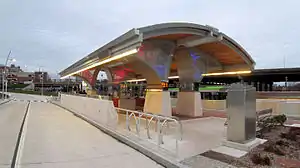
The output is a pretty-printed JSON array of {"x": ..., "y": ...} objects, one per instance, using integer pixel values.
[{"x": 260, "y": 115}]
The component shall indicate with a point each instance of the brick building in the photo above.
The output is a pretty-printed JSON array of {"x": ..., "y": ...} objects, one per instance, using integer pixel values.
[{"x": 17, "y": 75}]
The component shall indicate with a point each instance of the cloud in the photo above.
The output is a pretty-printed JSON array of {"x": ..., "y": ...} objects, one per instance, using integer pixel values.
[{"x": 55, "y": 34}]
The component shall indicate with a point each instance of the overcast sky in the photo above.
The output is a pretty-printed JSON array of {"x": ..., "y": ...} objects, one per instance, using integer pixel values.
[{"x": 55, "y": 33}]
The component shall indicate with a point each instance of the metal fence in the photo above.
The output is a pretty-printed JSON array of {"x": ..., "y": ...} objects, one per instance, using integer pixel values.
[{"x": 161, "y": 122}]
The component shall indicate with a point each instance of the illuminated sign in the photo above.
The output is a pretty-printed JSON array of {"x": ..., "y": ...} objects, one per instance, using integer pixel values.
[{"x": 164, "y": 85}]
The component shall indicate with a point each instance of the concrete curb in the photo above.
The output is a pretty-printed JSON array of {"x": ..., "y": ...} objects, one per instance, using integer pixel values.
[
  {"x": 167, "y": 162},
  {"x": 5, "y": 101}
]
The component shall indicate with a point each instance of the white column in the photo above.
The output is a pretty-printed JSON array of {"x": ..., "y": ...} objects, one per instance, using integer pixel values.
[{"x": 189, "y": 104}]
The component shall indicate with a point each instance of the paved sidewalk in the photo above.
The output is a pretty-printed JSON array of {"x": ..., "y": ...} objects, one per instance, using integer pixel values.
[
  {"x": 56, "y": 138},
  {"x": 199, "y": 136}
]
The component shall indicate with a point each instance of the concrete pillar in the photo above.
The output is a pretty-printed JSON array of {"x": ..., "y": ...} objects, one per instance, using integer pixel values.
[
  {"x": 154, "y": 60},
  {"x": 256, "y": 85},
  {"x": 266, "y": 87},
  {"x": 190, "y": 66},
  {"x": 262, "y": 86},
  {"x": 158, "y": 102},
  {"x": 189, "y": 101},
  {"x": 271, "y": 86}
]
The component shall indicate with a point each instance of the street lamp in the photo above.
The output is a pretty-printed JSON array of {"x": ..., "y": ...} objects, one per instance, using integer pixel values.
[
  {"x": 25, "y": 68},
  {"x": 42, "y": 83},
  {"x": 4, "y": 76}
]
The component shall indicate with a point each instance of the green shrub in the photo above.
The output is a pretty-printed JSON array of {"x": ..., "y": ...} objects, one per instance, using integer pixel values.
[
  {"x": 17, "y": 86},
  {"x": 280, "y": 119},
  {"x": 272, "y": 121}
]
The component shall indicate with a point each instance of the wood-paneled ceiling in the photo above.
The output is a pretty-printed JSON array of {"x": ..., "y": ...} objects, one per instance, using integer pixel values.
[
  {"x": 172, "y": 36},
  {"x": 222, "y": 52}
]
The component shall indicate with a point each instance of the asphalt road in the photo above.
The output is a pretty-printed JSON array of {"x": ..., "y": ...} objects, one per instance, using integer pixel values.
[
  {"x": 54, "y": 138},
  {"x": 11, "y": 115},
  {"x": 19, "y": 96}
]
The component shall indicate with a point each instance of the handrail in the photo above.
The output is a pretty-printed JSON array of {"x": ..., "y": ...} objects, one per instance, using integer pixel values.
[{"x": 160, "y": 121}]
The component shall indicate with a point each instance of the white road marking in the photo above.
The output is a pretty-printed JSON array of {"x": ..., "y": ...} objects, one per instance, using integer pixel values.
[{"x": 22, "y": 140}]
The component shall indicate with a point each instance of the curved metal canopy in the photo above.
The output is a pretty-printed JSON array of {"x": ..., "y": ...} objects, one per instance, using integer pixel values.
[{"x": 182, "y": 33}]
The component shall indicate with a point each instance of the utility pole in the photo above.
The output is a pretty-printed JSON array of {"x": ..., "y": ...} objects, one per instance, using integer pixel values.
[
  {"x": 42, "y": 83},
  {"x": 2, "y": 83},
  {"x": 41, "y": 79},
  {"x": 286, "y": 80},
  {"x": 6, "y": 96}
]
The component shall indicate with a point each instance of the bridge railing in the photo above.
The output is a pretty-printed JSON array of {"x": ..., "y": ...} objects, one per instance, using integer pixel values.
[
  {"x": 161, "y": 122},
  {"x": 89, "y": 96}
]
